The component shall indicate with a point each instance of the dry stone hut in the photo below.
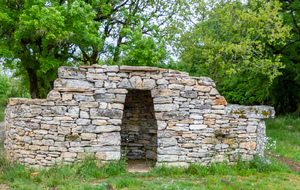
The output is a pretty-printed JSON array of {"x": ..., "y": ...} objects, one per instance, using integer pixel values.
[{"x": 138, "y": 112}]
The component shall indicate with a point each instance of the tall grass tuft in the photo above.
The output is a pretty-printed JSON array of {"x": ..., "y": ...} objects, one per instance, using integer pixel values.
[
  {"x": 241, "y": 168},
  {"x": 2, "y": 108}
]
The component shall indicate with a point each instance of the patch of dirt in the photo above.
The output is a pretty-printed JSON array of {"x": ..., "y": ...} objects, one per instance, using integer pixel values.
[
  {"x": 295, "y": 166},
  {"x": 140, "y": 166},
  {"x": 3, "y": 187}
]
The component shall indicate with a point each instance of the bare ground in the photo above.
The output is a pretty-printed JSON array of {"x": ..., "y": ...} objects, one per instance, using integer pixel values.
[{"x": 295, "y": 166}]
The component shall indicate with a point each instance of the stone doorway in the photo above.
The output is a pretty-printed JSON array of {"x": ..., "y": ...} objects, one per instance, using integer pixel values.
[{"x": 139, "y": 127}]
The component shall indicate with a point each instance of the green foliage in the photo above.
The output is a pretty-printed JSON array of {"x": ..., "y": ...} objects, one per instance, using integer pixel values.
[
  {"x": 4, "y": 90},
  {"x": 143, "y": 51},
  {"x": 227, "y": 37},
  {"x": 246, "y": 88},
  {"x": 37, "y": 37}
]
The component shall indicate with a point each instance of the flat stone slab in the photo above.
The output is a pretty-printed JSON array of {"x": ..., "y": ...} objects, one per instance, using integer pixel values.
[{"x": 140, "y": 68}]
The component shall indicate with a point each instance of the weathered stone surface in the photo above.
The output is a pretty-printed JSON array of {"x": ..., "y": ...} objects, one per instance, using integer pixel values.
[
  {"x": 88, "y": 136},
  {"x": 139, "y": 68},
  {"x": 125, "y": 84},
  {"x": 54, "y": 95},
  {"x": 166, "y": 107},
  {"x": 220, "y": 101},
  {"x": 148, "y": 84},
  {"x": 140, "y": 112},
  {"x": 238, "y": 111},
  {"x": 165, "y": 142}
]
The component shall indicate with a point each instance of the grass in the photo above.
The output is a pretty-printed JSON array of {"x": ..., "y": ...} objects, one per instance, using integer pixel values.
[
  {"x": 86, "y": 175},
  {"x": 2, "y": 113},
  {"x": 285, "y": 131}
]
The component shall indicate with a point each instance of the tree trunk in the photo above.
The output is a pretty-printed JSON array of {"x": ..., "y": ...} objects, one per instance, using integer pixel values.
[{"x": 34, "y": 88}]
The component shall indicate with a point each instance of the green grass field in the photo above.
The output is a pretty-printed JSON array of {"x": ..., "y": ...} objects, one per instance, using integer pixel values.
[
  {"x": 257, "y": 174},
  {"x": 285, "y": 130}
]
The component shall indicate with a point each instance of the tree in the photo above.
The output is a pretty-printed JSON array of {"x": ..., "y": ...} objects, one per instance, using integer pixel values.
[
  {"x": 37, "y": 37},
  {"x": 227, "y": 37},
  {"x": 285, "y": 90}
]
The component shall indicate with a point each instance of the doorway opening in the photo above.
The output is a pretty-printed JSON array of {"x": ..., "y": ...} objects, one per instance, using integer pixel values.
[{"x": 139, "y": 127}]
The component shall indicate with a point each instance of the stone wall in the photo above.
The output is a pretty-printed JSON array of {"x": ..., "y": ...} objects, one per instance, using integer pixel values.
[{"x": 158, "y": 114}]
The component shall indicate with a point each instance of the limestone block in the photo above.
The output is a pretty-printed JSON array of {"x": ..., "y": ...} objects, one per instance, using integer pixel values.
[
  {"x": 88, "y": 104},
  {"x": 248, "y": 145},
  {"x": 164, "y": 142},
  {"x": 176, "y": 86},
  {"x": 188, "y": 82},
  {"x": 109, "y": 139},
  {"x": 69, "y": 155},
  {"x": 166, "y": 107},
  {"x": 162, "y": 82},
  {"x": 99, "y": 84},
  {"x": 108, "y": 128},
  {"x": 58, "y": 149},
  {"x": 88, "y": 136},
  {"x": 96, "y": 76},
  {"x": 174, "y": 150},
  {"x": 84, "y": 97},
  {"x": 83, "y": 121},
  {"x": 148, "y": 84},
  {"x": 202, "y": 88},
  {"x": 212, "y": 116},
  {"x": 251, "y": 129},
  {"x": 114, "y": 122},
  {"x": 102, "y": 149},
  {"x": 197, "y": 127},
  {"x": 113, "y": 68},
  {"x": 164, "y": 92},
  {"x": 65, "y": 118},
  {"x": 196, "y": 116},
  {"x": 84, "y": 115},
  {"x": 138, "y": 68},
  {"x": 71, "y": 83},
  {"x": 62, "y": 144},
  {"x": 176, "y": 115},
  {"x": 161, "y": 125},
  {"x": 210, "y": 141},
  {"x": 162, "y": 100},
  {"x": 220, "y": 101},
  {"x": 125, "y": 83},
  {"x": 218, "y": 107},
  {"x": 136, "y": 82},
  {"x": 53, "y": 95},
  {"x": 189, "y": 94},
  {"x": 47, "y": 142},
  {"x": 73, "y": 111},
  {"x": 76, "y": 149},
  {"x": 178, "y": 128},
  {"x": 167, "y": 158},
  {"x": 107, "y": 155},
  {"x": 213, "y": 92},
  {"x": 110, "y": 113},
  {"x": 206, "y": 81},
  {"x": 99, "y": 122}
]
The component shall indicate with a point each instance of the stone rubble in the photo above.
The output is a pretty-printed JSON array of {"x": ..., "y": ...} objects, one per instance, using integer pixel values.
[{"x": 137, "y": 112}]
